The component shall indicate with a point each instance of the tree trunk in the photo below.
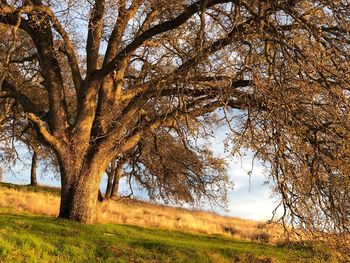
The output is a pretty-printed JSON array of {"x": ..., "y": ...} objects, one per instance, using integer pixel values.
[
  {"x": 110, "y": 176},
  {"x": 79, "y": 189},
  {"x": 100, "y": 197},
  {"x": 33, "y": 180},
  {"x": 116, "y": 179}
]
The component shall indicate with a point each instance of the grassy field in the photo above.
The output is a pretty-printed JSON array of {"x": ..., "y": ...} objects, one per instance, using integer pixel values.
[
  {"x": 32, "y": 238},
  {"x": 31, "y": 233},
  {"x": 45, "y": 201}
]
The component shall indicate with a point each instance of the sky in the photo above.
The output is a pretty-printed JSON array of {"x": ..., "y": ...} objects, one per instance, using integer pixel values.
[{"x": 251, "y": 196}]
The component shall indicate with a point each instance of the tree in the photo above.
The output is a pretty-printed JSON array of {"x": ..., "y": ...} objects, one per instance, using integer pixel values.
[
  {"x": 264, "y": 67},
  {"x": 38, "y": 150}
]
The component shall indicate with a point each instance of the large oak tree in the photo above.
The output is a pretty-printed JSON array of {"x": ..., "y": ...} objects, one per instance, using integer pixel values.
[{"x": 277, "y": 72}]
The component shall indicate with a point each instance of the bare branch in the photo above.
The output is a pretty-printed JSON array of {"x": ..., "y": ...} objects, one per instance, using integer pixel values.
[
  {"x": 156, "y": 30},
  {"x": 50, "y": 139},
  {"x": 25, "y": 102},
  {"x": 94, "y": 35},
  {"x": 5, "y": 67}
]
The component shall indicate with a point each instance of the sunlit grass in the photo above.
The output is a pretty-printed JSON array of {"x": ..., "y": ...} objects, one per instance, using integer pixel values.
[
  {"x": 145, "y": 214},
  {"x": 144, "y": 233},
  {"x": 30, "y": 238}
]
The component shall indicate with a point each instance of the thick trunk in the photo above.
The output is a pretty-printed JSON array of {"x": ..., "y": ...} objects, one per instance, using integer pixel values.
[
  {"x": 79, "y": 198},
  {"x": 80, "y": 187},
  {"x": 33, "y": 181}
]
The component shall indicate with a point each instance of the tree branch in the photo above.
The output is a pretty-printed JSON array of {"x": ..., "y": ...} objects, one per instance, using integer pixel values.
[
  {"x": 24, "y": 101},
  {"x": 167, "y": 120},
  {"x": 69, "y": 49},
  {"x": 94, "y": 35},
  {"x": 156, "y": 30},
  {"x": 50, "y": 139},
  {"x": 11, "y": 48},
  {"x": 180, "y": 72},
  {"x": 124, "y": 17}
]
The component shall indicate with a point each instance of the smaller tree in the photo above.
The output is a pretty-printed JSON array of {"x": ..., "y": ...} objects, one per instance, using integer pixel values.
[
  {"x": 40, "y": 152},
  {"x": 33, "y": 179},
  {"x": 114, "y": 174},
  {"x": 169, "y": 167}
]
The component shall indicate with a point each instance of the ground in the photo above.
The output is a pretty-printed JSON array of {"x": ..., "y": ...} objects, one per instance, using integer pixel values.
[{"x": 29, "y": 237}]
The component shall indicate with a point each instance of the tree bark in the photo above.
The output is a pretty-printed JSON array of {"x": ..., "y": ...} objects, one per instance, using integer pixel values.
[
  {"x": 100, "y": 197},
  {"x": 110, "y": 177},
  {"x": 79, "y": 188},
  {"x": 33, "y": 180},
  {"x": 79, "y": 198},
  {"x": 116, "y": 179}
]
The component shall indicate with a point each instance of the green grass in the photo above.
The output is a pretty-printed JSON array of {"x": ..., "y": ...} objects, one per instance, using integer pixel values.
[{"x": 31, "y": 238}]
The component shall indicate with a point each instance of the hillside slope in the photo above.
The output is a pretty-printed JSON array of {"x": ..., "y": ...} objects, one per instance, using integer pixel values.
[
  {"x": 144, "y": 233},
  {"x": 31, "y": 238},
  {"x": 45, "y": 201}
]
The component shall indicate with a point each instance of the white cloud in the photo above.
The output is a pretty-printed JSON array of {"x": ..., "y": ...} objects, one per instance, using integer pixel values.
[{"x": 251, "y": 196}]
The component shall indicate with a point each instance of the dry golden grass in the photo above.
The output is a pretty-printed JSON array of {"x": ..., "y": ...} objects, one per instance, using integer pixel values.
[{"x": 146, "y": 214}]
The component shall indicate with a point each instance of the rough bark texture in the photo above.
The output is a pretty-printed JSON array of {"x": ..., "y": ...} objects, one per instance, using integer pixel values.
[
  {"x": 79, "y": 199},
  {"x": 80, "y": 187},
  {"x": 33, "y": 180}
]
